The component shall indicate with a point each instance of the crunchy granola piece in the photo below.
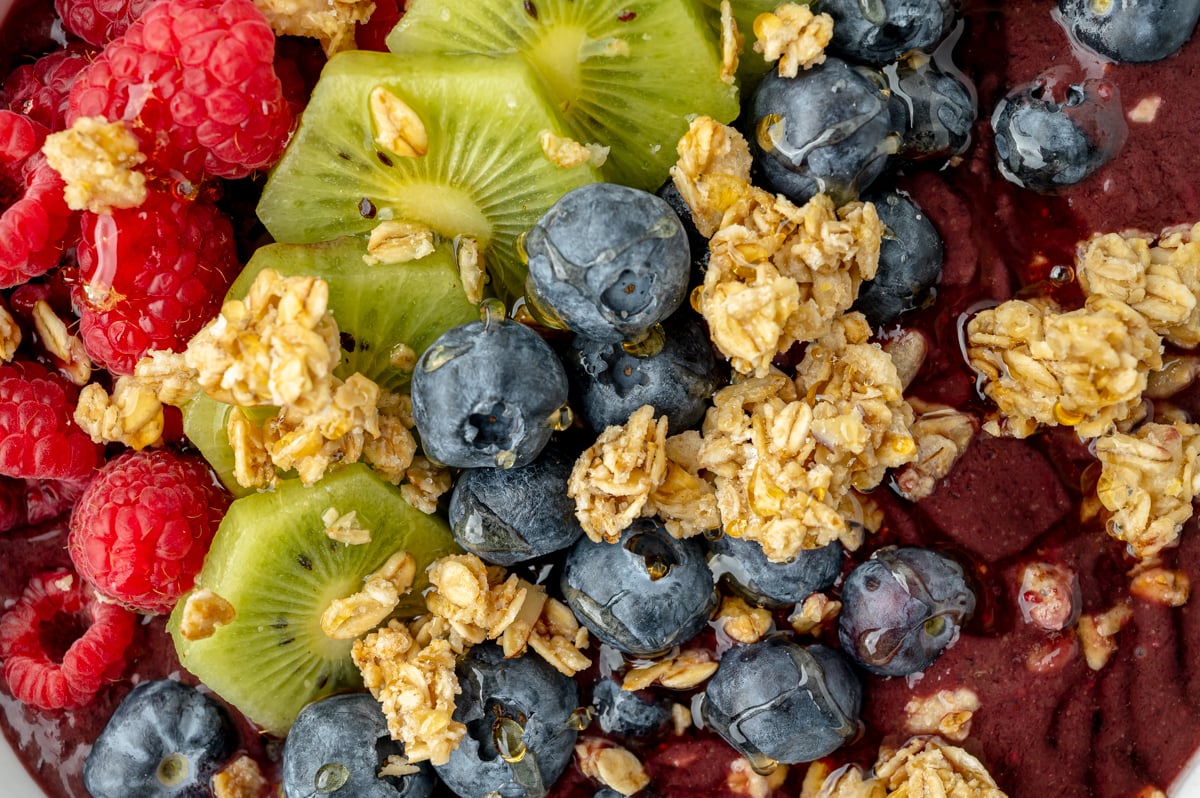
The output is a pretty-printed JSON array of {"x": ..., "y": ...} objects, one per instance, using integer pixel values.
[
  {"x": 472, "y": 271},
  {"x": 565, "y": 152},
  {"x": 793, "y": 36},
  {"x": 351, "y": 617},
  {"x": 426, "y": 483},
  {"x": 559, "y": 639},
  {"x": 398, "y": 128},
  {"x": 241, "y": 778},
  {"x": 1084, "y": 368},
  {"x": 683, "y": 671},
  {"x": 392, "y": 451},
  {"x": 612, "y": 481},
  {"x": 97, "y": 161},
  {"x": 686, "y": 503},
  {"x": 942, "y": 435},
  {"x": 732, "y": 42},
  {"x": 252, "y": 466},
  {"x": 946, "y": 712},
  {"x": 168, "y": 375},
  {"x": 741, "y": 622},
  {"x": 416, "y": 683},
  {"x": 848, "y": 781},
  {"x": 394, "y": 241},
  {"x": 476, "y": 603},
  {"x": 344, "y": 528},
  {"x": 908, "y": 349},
  {"x": 930, "y": 766},
  {"x": 713, "y": 171},
  {"x": 10, "y": 335},
  {"x": 1159, "y": 585},
  {"x": 1147, "y": 482},
  {"x": 1049, "y": 596},
  {"x": 612, "y": 765},
  {"x": 1178, "y": 373},
  {"x": 742, "y": 779},
  {"x": 331, "y": 22},
  {"x": 814, "y": 613},
  {"x": 1159, "y": 280},
  {"x": 61, "y": 344},
  {"x": 1097, "y": 632},
  {"x": 397, "y": 766},
  {"x": 132, "y": 415},
  {"x": 681, "y": 718},
  {"x": 515, "y": 639},
  {"x": 203, "y": 612}
]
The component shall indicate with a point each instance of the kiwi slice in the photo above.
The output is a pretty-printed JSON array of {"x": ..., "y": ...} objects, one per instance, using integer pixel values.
[
  {"x": 272, "y": 560},
  {"x": 204, "y": 423},
  {"x": 624, "y": 73},
  {"x": 482, "y": 173}
]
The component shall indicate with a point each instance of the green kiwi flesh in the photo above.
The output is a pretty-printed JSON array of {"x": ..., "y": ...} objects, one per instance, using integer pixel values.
[
  {"x": 484, "y": 173},
  {"x": 204, "y": 422},
  {"x": 624, "y": 73},
  {"x": 273, "y": 561}
]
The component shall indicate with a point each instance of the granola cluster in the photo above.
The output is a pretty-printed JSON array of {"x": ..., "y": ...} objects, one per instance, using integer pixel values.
[
  {"x": 98, "y": 161},
  {"x": 331, "y": 22},
  {"x": 924, "y": 766},
  {"x": 353, "y": 616},
  {"x": 777, "y": 274},
  {"x": 794, "y": 36}
]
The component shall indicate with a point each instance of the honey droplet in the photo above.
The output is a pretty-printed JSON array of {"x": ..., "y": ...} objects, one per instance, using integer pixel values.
[{"x": 509, "y": 737}]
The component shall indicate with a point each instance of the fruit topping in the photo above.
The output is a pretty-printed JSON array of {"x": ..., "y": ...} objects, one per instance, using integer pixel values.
[
  {"x": 643, "y": 594},
  {"x": 41, "y": 90},
  {"x": 98, "y": 22},
  {"x": 488, "y": 393},
  {"x": 38, "y": 437},
  {"x": 627, "y": 712},
  {"x": 608, "y": 262},
  {"x": 1137, "y": 31},
  {"x": 882, "y": 31},
  {"x": 143, "y": 525},
  {"x": 775, "y": 584},
  {"x": 902, "y": 608},
  {"x": 33, "y": 214},
  {"x": 61, "y": 643},
  {"x": 910, "y": 261},
  {"x": 165, "y": 738},
  {"x": 780, "y": 702},
  {"x": 340, "y": 745},
  {"x": 937, "y": 103}
]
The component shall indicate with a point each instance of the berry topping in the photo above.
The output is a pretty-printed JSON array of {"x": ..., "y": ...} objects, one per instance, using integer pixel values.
[
  {"x": 775, "y": 584},
  {"x": 151, "y": 277},
  {"x": 99, "y": 21},
  {"x": 882, "y": 31},
  {"x": 165, "y": 738},
  {"x": 33, "y": 214},
  {"x": 28, "y": 502},
  {"x": 38, "y": 435},
  {"x": 628, "y": 712},
  {"x": 60, "y": 643},
  {"x": 41, "y": 90},
  {"x": 195, "y": 81},
  {"x": 937, "y": 105},
  {"x": 1135, "y": 31},
  {"x": 910, "y": 261},
  {"x": 141, "y": 529}
]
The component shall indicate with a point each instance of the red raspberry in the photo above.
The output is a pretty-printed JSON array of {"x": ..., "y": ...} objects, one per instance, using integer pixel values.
[
  {"x": 142, "y": 527},
  {"x": 99, "y": 21},
  {"x": 38, "y": 435},
  {"x": 44, "y": 670},
  {"x": 195, "y": 82},
  {"x": 29, "y": 502},
  {"x": 41, "y": 90},
  {"x": 34, "y": 217},
  {"x": 151, "y": 277}
]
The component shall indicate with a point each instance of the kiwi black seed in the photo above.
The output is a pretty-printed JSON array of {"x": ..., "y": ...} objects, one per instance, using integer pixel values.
[{"x": 627, "y": 74}]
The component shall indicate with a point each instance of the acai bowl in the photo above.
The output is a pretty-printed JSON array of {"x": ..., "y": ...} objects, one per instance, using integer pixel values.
[{"x": 1057, "y": 660}]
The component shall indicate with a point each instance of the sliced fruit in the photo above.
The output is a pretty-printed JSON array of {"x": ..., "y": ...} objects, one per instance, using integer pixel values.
[
  {"x": 451, "y": 142},
  {"x": 272, "y": 560},
  {"x": 612, "y": 67},
  {"x": 204, "y": 422}
]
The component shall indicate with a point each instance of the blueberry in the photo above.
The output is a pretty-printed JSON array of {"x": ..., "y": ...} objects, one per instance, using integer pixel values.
[
  {"x": 910, "y": 261},
  {"x": 338, "y": 745},
  {"x": 829, "y": 129},
  {"x": 937, "y": 104},
  {"x": 902, "y": 608},
  {"x": 510, "y": 515},
  {"x": 782, "y": 701},
  {"x": 697, "y": 244},
  {"x": 643, "y": 594},
  {"x": 164, "y": 739},
  {"x": 609, "y": 261},
  {"x": 626, "y": 712},
  {"x": 519, "y": 737},
  {"x": 608, "y": 383},
  {"x": 775, "y": 583},
  {"x": 1135, "y": 31},
  {"x": 487, "y": 394},
  {"x": 1049, "y": 136},
  {"x": 879, "y": 31}
]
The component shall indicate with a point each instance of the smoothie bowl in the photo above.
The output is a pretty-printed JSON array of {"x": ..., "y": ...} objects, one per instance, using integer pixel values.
[{"x": 591, "y": 399}]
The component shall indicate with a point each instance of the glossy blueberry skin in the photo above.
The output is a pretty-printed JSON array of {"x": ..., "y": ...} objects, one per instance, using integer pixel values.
[
  {"x": 1133, "y": 31},
  {"x": 485, "y": 391},
  {"x": 610, "y": 261},
  {"x": 879, "y": 31},
  {"x": 937, "y": 106},
  {"x": 782, "y": 700},
  {"x": 608, "y": 383},
  {"x": 1049, "y": 136},
  {"x": 510, "y": 515},
  {"x": 157, "y": 720},
  {"x": 827, "y": 129},
  {"x": 524, "y": 689},
  {"x": 350, "y": 730},
  {"x": 697, "y": 243},
  {"x": 902, "y": 608},
  {"x": 910, "y": 261},
  {"x": 612, "y": 589},
  {"x": 627, "y": 712},
  {"x": 775, "y": 584}
]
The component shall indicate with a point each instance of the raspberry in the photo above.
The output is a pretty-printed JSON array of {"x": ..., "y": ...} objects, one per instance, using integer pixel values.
[
  {"x": 142, "y": 527},
  {"x": 42, "y": 669},
  {"x": 151, "y": 276},
  {"x": 99, "y": 21},
  {"x": 195, "y": 82},
  {"x": 28, "y": 502},
  {"x": 34, "y": 217},
  {"x": 41, "y": 90},
  {"x": 38, "y": 435}
]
